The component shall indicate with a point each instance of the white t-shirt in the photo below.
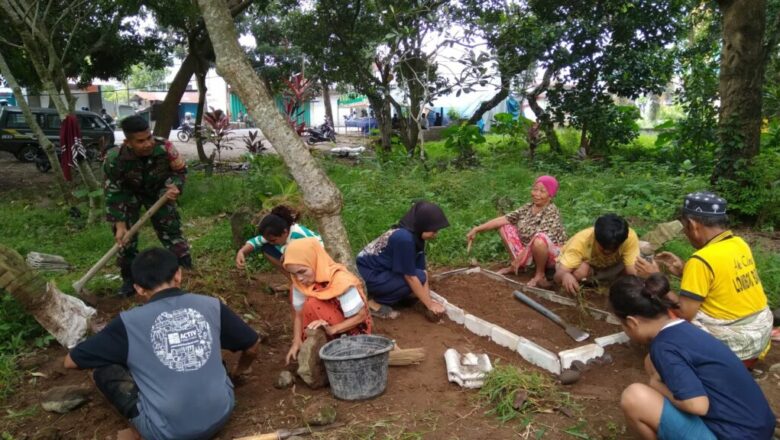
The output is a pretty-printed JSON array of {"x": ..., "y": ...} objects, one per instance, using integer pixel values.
[{"x": 351, "y": 301}]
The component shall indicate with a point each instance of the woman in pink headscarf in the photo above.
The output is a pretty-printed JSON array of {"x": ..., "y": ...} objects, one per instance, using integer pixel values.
[{"x": 532, "y": 233}]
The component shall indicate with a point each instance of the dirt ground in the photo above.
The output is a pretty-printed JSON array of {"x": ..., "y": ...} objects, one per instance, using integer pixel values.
[
  {"x": 419, "y": 403},
  {"x": 496, "y": 304}
]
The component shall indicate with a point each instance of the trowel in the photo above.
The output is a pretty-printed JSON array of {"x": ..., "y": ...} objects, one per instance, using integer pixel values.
[{"x": 575, "y": 333}]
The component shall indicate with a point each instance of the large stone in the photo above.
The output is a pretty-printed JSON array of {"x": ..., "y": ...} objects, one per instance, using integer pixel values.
[
  {"x": 285, "y": 380},
  {"x": 319, "y": 414},
  {"x": 66, "y": 398},
  {"x": 48, "y": 433},
  {"x": 569, "y": 377},
  {"x": 310, "y": 367}
]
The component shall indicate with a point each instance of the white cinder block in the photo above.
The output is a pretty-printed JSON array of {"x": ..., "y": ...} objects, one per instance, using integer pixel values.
[
  {"x": 582, "y": 354},
  {"x": 456, "y": 314},
  {"x": 539, "y": 356},
  {"x": 504, "y": 337},
  {"x": 478, "y": 326},
  {"x": 438, "y": 298},
  {"x": 615, "y": 338}
]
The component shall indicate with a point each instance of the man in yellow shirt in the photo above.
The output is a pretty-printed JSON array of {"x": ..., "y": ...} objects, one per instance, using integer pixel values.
[
  {"x": 609, "y": 247},
  {"x": 720, "y": 290}
]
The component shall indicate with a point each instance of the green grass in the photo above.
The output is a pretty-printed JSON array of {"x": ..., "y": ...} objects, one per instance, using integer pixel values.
[{"x": 504, "y": 382}]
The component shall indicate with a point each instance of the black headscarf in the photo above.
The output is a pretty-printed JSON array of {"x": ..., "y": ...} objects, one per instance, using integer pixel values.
[{"x": 423, "y": 217}]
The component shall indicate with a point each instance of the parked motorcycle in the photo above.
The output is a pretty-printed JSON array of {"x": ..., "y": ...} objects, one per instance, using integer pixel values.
[
  {"x": 323, "y": 133},
  {"x": 186, "y": 132},
  {"x": 42, "y": 160}
]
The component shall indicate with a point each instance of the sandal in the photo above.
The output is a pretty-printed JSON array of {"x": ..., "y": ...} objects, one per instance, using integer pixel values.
[{"x": 384, "y": 312}]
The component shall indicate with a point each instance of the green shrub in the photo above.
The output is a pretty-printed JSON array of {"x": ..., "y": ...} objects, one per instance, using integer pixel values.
[{"x": 461, "y": 139}]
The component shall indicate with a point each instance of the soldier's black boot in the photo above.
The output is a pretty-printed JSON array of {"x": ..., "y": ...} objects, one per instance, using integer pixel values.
[
  {"x": 127, "y": 290},
  {"x": 185, "y": 262}
]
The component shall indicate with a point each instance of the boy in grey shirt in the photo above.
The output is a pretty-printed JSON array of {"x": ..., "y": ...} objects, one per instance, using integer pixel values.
[{"x": 160, "y": 364}]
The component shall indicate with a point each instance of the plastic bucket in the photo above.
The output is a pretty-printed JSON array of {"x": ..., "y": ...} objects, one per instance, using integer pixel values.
[{"x": 357, "y": 365}]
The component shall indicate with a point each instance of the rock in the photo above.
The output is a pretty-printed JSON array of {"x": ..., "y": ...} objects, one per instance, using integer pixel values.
[
  {"x": 64, "y": 399},
  {"x": 569, "y": 377},
  {"x": 241, "y": 227},
  {"x": 605, "y": 359},
  {"x": 578, "y": 366},
  {"x": 285, "y": 380},
  {"x": 319, "y": 414},
  {"x": 48, "y": 433},
  {"x": 520, "y": 397},
  {"x": 31, "y": 362},
  {"x": 565, "y": 410},
  {"x": 310, "y": 367},
  {"x": 775, "y": 368}
]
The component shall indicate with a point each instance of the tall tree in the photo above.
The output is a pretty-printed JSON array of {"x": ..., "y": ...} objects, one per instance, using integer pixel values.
[
  {"x": 742, "y": 66},
  {"x": 320, "y": 195},
  {"x": 62, "y": 39}
]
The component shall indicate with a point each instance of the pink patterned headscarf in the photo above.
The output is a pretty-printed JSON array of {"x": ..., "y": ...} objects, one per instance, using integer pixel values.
[{"x": 550, "y": 184}]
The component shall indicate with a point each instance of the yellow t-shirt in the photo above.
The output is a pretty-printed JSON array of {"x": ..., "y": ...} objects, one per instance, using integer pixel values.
[
  {"x": 723, "y": 276},
  {"x": 582, "y": 248}
]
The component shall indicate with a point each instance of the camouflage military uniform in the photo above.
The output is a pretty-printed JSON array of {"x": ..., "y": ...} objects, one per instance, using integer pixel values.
[{"x": 133, "y": 182}]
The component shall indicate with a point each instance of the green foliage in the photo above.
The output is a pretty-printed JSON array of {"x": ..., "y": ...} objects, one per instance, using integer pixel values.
[
  {"x": 694, "y": 137},
  {"x": 514, "y": 130},
  {"x": 461, "y": 139},
  {"x": 146, "y": 78},
  {"x": 754, "y": 193}
]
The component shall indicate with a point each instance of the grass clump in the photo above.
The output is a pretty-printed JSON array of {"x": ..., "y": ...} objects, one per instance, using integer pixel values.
[{"x": 501, "y": 387}]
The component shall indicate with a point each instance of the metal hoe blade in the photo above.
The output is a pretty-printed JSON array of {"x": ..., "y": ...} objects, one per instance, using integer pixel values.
[{"x": 576, "y": 334}]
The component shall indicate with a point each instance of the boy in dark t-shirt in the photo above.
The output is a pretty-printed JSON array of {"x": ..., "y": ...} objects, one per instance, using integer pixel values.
[{"x": 160, "y": 364}]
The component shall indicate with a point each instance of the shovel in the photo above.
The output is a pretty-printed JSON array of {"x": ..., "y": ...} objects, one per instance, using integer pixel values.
[{"x": 575, "y": 333}]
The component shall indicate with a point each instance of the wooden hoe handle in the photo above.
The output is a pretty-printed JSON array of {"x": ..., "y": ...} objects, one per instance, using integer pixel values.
[{"x": 79, "y": 285}]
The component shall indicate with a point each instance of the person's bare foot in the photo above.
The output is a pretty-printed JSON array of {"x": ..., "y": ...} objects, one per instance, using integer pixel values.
[
  {"x": 505, "y": 271},
  {"x": 539, "y": 281}
]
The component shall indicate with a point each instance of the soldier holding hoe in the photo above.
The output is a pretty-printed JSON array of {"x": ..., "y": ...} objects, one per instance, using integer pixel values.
[{"x": 137, "y": 174}]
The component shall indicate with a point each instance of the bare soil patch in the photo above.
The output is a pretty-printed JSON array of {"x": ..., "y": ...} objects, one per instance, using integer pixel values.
[
  {"x": 419, "y": 402},
  {"x": 493, "y": 301}
]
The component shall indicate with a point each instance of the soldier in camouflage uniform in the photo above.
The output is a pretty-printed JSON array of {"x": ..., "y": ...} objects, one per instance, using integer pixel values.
[{"x": 138, "y": 173}]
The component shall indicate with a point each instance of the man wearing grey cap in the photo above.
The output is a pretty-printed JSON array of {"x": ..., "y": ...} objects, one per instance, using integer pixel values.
[{"x": 720, "y": 290}]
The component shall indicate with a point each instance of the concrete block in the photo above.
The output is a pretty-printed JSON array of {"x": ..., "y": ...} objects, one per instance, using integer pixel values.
[
  {"x": 615, "y": 338},
  {"x": 582, "y": 354},
  {"x": 456, "y": 314},
  {"x": 478, "y": 326},
  {"x": 539, "y": 356},
  {"x": 438, "y": 298},
  {"x": 504, "y": 337}
]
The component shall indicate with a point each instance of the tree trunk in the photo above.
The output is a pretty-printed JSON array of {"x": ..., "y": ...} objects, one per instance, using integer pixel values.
[
  {"x": 541, "y": 116},
  {"x": 741, "y": 81},
  {"x": 326, "y": 101},
  {"x": 544, "y": 121},
  {"x": 66, "y": 317},
  {"x": 382, "y": 111},
  {"x": 202, "y": 156},
  {"x": 321, "y": 196},
  {"x": 486, "y": 106},
  {"x": 165, "y": 118},
  {"x": 44, "y": 142}
]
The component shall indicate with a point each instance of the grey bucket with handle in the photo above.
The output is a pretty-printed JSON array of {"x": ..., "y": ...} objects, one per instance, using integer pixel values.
[{"x": 357, "y": 365}]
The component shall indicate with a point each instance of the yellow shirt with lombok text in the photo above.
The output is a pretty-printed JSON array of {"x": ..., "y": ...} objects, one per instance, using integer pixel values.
[
  {"x": 582, "y": 248},
  {"x": 723, "y": 276}
]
